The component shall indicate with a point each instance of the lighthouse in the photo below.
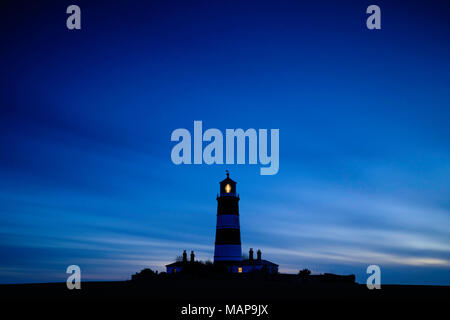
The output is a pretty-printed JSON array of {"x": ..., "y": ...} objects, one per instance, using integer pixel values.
[
  {"x": 227, "y": 250},
  {"x": 228, "y": 233}
]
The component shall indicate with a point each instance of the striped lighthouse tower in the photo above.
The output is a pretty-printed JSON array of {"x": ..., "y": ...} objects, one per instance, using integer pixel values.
[{"x": 228, "y": 234}]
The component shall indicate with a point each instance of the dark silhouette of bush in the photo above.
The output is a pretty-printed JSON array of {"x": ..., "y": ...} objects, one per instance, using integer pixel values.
[
  {"x": 304, "y": 273},
  {"x": 146, "y": 273}
]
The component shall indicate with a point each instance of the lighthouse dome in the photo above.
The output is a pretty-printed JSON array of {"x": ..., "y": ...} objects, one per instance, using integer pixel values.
[{"x": 228, "y": 186}]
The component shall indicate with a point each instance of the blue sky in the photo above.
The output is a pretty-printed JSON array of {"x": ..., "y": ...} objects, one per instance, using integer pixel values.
[{"x": 86, "y": 117}]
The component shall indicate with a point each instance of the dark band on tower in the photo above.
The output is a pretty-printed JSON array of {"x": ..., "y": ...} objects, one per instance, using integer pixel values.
[{"x": 228, "y": 234}]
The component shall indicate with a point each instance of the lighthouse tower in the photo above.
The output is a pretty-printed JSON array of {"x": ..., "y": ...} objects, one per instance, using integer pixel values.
[{"x": 228, "y": 234}]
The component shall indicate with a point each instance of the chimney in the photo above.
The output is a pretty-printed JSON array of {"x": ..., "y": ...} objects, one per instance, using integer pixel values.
[
  {"x": 192, "y": 256},
  {"x": 259, "y": 254},
  {"x": 250, "y": 254},
  {"x": 184, "y": 256}
]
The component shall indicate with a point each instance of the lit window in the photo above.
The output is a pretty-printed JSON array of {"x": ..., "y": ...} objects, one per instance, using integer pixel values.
[
  {"x": 174, "y": 270},
  {"x": 227, "y": 188},
  {"x": 240, "y": 270}
]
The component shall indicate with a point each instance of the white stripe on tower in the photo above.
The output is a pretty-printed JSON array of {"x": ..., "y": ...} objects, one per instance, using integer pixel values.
[
  {"x": 228, "y": 221},
  {"x": 227, "y": 252}
]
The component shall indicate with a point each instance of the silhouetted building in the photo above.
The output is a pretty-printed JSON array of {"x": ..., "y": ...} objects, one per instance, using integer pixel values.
[
  {"x": 179, "y": 265},
  {"x": 251, "y": 265}
]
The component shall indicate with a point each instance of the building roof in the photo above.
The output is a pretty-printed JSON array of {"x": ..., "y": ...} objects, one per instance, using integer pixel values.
[
  {"x": 176, "y": 264},
  {"x": 254, "y": 262},
  {"x": 228, "y": 179}
]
